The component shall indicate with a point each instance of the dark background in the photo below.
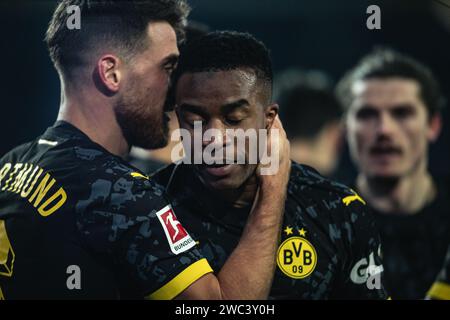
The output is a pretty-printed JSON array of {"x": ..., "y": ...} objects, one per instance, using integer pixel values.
[{"x": 321, "y": 34}]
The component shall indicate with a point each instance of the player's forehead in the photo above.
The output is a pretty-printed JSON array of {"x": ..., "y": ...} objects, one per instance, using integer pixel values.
[
  {"x": 216, "y": 87},
  {"x": 386, "y": 93},
  {"x": 162, "y": 40}
]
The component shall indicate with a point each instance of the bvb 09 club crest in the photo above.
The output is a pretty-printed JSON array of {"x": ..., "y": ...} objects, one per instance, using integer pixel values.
[{"x": 296, "y": 257}]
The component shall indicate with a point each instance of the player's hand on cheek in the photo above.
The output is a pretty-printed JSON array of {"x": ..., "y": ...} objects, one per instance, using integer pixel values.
[{"x": 278, "y": 149}]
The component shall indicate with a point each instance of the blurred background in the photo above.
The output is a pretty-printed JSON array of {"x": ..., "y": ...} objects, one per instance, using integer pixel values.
[{"x": 327, "y": 35}]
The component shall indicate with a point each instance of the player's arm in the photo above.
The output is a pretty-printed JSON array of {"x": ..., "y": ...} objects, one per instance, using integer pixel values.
[
  {"x": 126, "y": 221},
  {"x": 249, "y": 271}
]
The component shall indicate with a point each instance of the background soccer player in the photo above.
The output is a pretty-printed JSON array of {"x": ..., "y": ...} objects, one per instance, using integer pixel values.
[
  {"x": 329, "y": 247},
  {"x": 392, "y": 115},
  {"x": 76, "y": 220},
  {"x": 311, "y": 116}
]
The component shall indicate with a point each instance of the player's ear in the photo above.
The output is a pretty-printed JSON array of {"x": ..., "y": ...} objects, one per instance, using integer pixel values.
[
  {"x": 434, "y": 127},
  {"x": 270, "y": 114},
  {"x": 108, "y": 74}
]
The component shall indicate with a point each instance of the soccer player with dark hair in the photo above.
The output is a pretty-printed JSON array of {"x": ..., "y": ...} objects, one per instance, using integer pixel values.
[
  {"x": 311, "y": 116},
  {"x": 151, "y": 160},
  {"x": 328, "y": 247},
  {"x": 392, "y": 113},
  {"x": 76, "y": 220}
]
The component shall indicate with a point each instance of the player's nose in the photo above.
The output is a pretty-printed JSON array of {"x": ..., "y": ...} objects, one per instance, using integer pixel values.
[
  {"x": 385, "y": 124},
  {"x": 215, "y": 133}
]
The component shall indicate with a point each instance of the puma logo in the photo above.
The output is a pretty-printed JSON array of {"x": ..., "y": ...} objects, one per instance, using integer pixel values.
[
  {"x": 138, "y": 175},
  {"x": 349, "y": 199}
]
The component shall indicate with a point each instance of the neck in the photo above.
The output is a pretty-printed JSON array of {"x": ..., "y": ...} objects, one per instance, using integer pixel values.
[
  {"x": 241, "y": 197},
  {"x": 93, "y": 114},
  {"x": 407, "y": 195}
]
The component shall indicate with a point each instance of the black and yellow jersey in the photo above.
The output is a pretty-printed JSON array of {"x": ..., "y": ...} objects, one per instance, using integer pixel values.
[
  {"x": 414, "y": 245},
  {"x": 329, "y": 246},
  {"x": 79, "y": 222},
  {"x": 440, "y": 290}
]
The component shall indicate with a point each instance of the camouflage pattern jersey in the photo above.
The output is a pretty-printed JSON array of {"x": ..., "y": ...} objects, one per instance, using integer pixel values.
[
  {"x": 329, "y": 246},
  {"x": 79, "y": 222}
]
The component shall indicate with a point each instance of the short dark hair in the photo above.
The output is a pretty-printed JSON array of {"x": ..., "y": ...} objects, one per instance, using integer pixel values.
[
  {"x": 307, "y": 102},
  {"x": 225, "y": 51},
  {"x": 120, "y": 23},
  {"x": 387, "y": 63}
]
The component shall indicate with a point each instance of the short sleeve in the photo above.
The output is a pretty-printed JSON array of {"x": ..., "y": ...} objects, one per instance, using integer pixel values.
[
  {"x": 363, "y": 272},
  {"x": 127, "y": 221}
]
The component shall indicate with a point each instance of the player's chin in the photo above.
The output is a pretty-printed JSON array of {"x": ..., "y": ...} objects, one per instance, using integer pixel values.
[
  {"x": 386, "y": 173},
  {"x": 153, "y": 140},
  {"x": 231, "y": 181},
  {"x": 222, "y": 184}
]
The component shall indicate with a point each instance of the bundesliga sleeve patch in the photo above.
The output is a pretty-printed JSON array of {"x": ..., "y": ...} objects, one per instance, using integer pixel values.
[{"x": 178, "y": 238}]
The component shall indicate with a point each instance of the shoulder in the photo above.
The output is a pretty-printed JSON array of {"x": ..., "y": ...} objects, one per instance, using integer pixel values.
[
  {"x": 177, "y": 179},
  {"x": 99, "y": 166},
  {"x": 164, "y": 174},
  {"x": 118, "y": 199},
  {"x": 121, "y": 183},
  {"x": 309, "y": 184},
  {"x": 16, "y": 153},
  {"x": 327, "y": 202},
  {"x": 112, "y": 189}
]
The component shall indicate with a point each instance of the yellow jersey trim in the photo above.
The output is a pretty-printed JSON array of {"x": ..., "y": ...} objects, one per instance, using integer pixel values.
[
  {"x": 440, "y": 290},
  {"x": 183, "y": 280}
]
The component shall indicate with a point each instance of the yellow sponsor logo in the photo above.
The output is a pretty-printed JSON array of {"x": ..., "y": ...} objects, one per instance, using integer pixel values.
[{"x": 297, "y": 257}]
